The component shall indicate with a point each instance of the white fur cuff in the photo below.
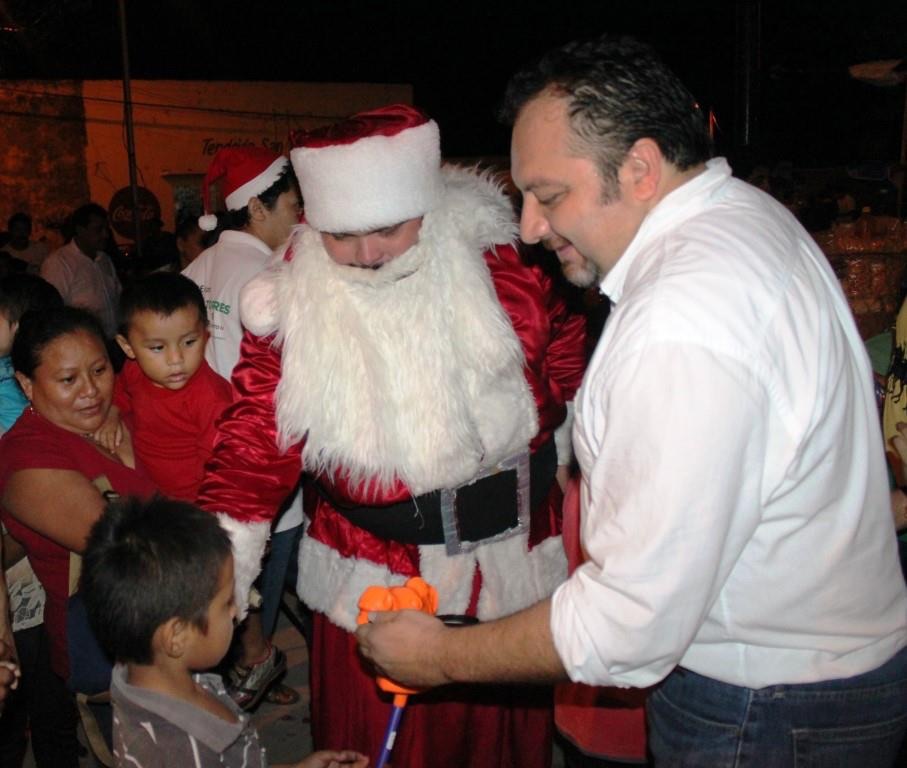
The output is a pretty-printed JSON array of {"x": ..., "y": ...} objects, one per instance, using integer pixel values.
[{"x": 248, "y": 541}]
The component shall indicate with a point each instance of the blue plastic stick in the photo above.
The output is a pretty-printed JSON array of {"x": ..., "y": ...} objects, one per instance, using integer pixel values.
[{"x": 390, "y": 735}]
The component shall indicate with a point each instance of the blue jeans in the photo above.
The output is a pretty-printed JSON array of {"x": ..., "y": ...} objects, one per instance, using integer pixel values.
[
  {"x": 857, "y": 722},
  {"x": 277, "y": 569}
]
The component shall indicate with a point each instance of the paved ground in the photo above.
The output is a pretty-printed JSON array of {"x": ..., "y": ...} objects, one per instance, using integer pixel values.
[{"x": 285, "y": 731}]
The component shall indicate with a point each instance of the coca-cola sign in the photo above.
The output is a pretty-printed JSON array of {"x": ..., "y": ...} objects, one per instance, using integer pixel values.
[{"x": 120, "y": 210}]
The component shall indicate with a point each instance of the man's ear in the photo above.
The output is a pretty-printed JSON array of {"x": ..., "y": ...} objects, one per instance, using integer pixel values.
[
  {"x": 171, "y": 637},
  {"x": 643, "y": 169},
  {"x": 125, "y": 346},
  {"x": 25, "y": 383},
  {"x": 256, "y": 209}
]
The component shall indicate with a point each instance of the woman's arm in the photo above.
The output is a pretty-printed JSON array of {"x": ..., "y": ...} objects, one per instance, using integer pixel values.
[
  {"x": 60, "y": 504},
  {"x": 6, "y": 629}
]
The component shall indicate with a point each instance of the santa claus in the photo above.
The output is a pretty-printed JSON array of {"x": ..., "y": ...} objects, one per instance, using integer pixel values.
[{"x": 403, "y": 354}]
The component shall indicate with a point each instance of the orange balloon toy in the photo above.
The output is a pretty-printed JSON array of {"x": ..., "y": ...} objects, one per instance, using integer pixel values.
[{"x": 416, "y": 595}]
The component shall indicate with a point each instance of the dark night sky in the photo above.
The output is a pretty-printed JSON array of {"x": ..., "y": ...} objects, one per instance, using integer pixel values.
[{"x": 459, "y": 55}]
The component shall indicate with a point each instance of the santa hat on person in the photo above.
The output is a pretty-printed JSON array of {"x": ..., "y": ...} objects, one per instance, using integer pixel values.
[
  {"x": 373, "y": 170},
  {"x": 245, "y": 172}
]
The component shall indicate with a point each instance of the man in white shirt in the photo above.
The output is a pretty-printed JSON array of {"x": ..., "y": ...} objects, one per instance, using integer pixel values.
[
  {"x": 734, "y": 500},
  {"x": 82, "y": 273}
]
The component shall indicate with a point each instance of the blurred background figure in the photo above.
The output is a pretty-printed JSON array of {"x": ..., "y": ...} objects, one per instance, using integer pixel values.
[
  {"x": 190, "y": 241},
  {"x": 20, "y": 245}
]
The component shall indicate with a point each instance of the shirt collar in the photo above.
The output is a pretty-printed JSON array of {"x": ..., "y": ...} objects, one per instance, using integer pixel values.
[
  {"x": 676, "y": 206},
  {"x": 245, "y": 238},
  {"x": 210, "y": 730}
]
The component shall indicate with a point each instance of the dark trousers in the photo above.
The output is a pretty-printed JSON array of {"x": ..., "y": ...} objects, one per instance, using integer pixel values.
[
  {"x": 856, "y": 722},
  {"x": 41, "y": 705}
]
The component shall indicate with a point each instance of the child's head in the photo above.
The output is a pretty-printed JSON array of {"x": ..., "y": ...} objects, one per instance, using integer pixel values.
[
  {"x": 164, "y": 327},
  {"x": 20, "y": 294},
  {"x": 157, "y": 577}
]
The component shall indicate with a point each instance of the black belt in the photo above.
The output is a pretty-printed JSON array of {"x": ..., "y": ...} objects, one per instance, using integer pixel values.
[{"x": 485, "y": 507}]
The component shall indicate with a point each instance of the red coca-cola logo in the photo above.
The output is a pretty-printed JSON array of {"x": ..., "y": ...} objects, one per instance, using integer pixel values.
[{"x": 120, "y": 210}]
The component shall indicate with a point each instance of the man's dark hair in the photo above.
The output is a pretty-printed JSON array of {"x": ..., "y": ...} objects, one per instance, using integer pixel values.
[
  {"x": 19, "y": 218},
  {"x": 20, "y": 293},
  {"x": 618, "y": 91},
  {"x": 285, "y": 182},
  {"x": 145, "y": 563},
  {"x": 185, "y": 227},
  {"x": 38, "y": 328},
  {"x": 82, "y": 216},
  {"x": 162, "y": 293}
]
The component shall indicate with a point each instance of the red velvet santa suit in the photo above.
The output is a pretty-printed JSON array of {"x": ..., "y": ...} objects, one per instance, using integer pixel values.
[{"x": 387, "y": 385}]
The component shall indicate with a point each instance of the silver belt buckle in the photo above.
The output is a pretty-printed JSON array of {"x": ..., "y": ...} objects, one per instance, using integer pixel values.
[{"x": 453, "y": 543}]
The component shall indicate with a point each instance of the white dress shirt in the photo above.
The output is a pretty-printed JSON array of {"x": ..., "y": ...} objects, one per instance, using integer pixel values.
[
  {"x": 734, "y": 497},
  {"x": 85, "y": 281}
]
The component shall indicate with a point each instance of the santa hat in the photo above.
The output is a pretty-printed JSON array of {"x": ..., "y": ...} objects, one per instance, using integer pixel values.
[
  {"x": 370, "y": 171},
  {"x": 245, "y": 172}
]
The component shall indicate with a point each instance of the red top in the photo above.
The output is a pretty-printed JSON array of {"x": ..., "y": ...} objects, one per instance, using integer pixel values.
[
  {"x": 35, "y": 443},
  {"x": 172, "y": 430}
]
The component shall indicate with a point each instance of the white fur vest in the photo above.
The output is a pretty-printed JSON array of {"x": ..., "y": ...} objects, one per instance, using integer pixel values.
[{"x": 412, "y": 371}]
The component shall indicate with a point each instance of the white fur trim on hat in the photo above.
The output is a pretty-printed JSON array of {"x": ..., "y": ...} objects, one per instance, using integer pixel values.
[
  {"x": 248, "y": 541},
  {"x": 239, "y": 197},
  {"x": 372, "y": 183},
  {"x": 208, "y": 222}
]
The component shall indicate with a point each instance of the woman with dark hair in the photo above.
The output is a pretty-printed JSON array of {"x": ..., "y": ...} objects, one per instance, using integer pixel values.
[{"x": 55, "y": 481}]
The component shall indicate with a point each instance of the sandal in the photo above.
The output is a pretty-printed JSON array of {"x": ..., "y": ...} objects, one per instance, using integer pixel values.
[
  {"x": 248, "y": 685},
  {"x": 282, "y": 694}
]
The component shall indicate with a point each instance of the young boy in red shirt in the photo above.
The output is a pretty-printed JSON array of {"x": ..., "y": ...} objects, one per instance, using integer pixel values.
[{"x": 168, "y": 396}]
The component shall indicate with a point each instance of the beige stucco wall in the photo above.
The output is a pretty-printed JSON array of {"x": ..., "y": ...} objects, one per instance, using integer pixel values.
[{"x": 54, "y": 160}]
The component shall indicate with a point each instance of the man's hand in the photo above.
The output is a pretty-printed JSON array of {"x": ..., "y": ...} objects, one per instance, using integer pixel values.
[
  {"x": 9, "y": 671},
  {"x": 110, "y": 434},
  {"x": 405, "y": 646}
]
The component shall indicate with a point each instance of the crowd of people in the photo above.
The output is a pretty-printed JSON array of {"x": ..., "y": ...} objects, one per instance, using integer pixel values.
[{"x": 355, "y": 375}]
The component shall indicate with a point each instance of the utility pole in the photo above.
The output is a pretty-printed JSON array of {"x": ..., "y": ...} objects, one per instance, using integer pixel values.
[
  {"x": 130, "y": 135},
  {"x": 747, "y": 74}
]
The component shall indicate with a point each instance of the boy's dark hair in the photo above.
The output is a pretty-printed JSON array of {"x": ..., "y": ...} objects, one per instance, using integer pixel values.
[
  {"x": 38, "y": 328},
  {"x": 20, "y": 293},
  {"x": 285, "y": 182},
  {"x": 145, "y": 563},
  {"x": 19, "y": 218},
  {"x": 618, "y": 90},
  {"x": 82, "y": 216},
  {"x": 162, "y": 293}
]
